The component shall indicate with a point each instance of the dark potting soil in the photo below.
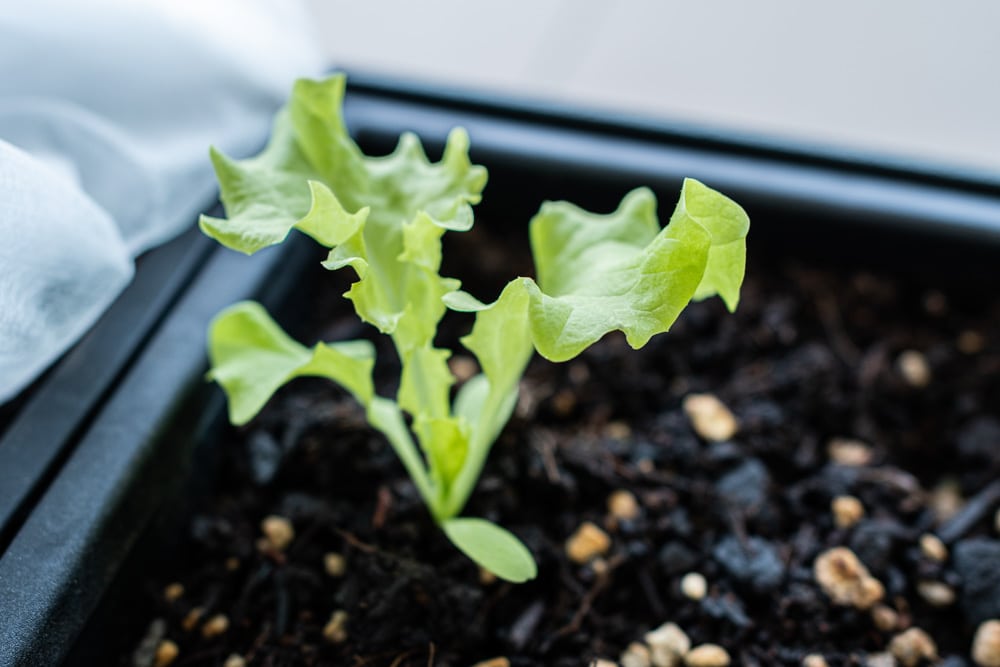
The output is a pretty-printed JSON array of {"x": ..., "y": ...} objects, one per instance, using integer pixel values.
[{"x": 811, "y": 356}]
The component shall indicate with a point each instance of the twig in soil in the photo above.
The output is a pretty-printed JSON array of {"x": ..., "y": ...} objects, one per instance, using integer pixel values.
[
  {"x": 600, "y": 583},
  {"x": 362, "y": 660},
  {"x": 351, "y": 539},
  {"x": 401, "y": 657},
  {"x": 405, "y": 565},
  {"x": 652, "y": 597},
  {"x": 259, "y": 641},
  {"x": 523, "y": 628},
  {"x": 259, "y": 577},
  {"x": 829, "y": 315},
  {"x": 545, "y": 444},
  {"x": 661, "y": 478},
  {"x": 431, "y": 651},
  {"x": 873, "y": 363},
  {"x": 971, "y": 513},
  {"x": 383, "y": 503},
  {"x": 281, "y": 603},
  {"x": 897, "y": 479}
]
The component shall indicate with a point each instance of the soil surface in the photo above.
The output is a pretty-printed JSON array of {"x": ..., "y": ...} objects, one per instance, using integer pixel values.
[{"x": 842, "y": 384}]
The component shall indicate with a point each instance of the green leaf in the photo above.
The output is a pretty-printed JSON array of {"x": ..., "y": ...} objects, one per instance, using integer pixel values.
[
  {"x": 264, "y": 196},
  {"x": 617, "y": 272},
  {"x": 252, "y": 357},
  {"x": 492, "y": 547},
  {"x": 445, "y": 441}
]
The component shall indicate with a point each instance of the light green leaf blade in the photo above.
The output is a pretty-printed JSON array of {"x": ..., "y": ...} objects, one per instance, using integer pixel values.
[
  {"x": 571, "y": 246},
  {"x": 264, "y": 196},
  {"x": 425, "y": 382},
  {"x": 320, "y": 133},
  {"x": 252, "y": 357},
  {"x": 728, "y": 224},
  {"x": 602, "y": 273},
  {"x": 445, "y": 441},
  {"x": 492, "y": 547}
]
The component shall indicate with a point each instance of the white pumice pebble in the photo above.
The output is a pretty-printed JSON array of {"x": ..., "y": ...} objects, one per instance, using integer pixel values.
[
  {"x": 913, "y": 646},
  {"x": 814, "y": 660},
  {"x": 936, "y": 593},
  {"x": 707, "y": 655},
  {"x": 880, "y": 660},
  {"x": 166, "y": 652},
  {"x": 710, "y": 418},
  {"x": 587, "y": 543},
  {"x": 617, "y": 430},
  {"x": 278, "y": 532},
  {"x": 335, "y": 630},
  {"x": 173, "y": 592},
  {"x": 667, "y": 644},
  {"x": 215, "y": 626},
  {"x": 845, "y": 579},
  {"x": 914, "y": 368},
  {"x": 694, "y": 586},
  {"x": 932, "y": 547},
  {"x": 885, "y": 618},
  {"x": 986, "y": 644},
  {"x": 463, "y": 367},
  {"x": 334, "y": 564},
  {"x": 946, "y": 499},
  {"x": 847, "y": 511},
  {"x": 622, "y": 505},
  {"x": 849, "y": 452},
  {"x": 636, "y": 655}
]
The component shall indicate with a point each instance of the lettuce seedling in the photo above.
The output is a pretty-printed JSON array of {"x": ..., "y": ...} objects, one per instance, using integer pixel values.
[{"x": 384, "y": 217}]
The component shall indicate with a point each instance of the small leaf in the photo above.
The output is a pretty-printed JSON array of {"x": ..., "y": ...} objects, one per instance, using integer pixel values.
[
  {"x": 600, "y": 273},
  {"x": 492, "y": 547},
  {"x": 252, "y": 357}
]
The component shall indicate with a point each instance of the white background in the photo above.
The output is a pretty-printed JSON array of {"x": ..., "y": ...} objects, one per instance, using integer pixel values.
[{"x": 908, "y": 78}]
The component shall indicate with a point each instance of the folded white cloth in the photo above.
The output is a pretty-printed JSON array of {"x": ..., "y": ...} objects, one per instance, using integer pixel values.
[{"x": 112, "y": 105}]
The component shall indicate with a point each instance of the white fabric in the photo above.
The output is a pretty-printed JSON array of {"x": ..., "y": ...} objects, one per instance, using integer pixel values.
[{"x": 113, "y": 105}]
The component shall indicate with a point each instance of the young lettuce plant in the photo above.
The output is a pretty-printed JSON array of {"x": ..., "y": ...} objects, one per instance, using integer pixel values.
[{"x": 384, "y": 217}]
